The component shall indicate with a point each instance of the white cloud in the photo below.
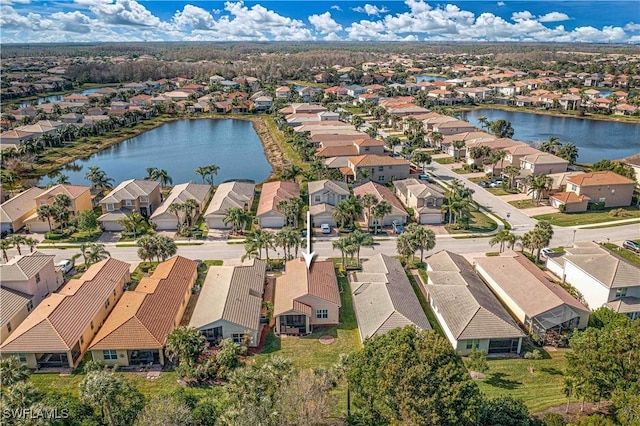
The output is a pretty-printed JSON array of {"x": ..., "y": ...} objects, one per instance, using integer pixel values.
[
  {"x": 554, "y": 17},
  {"x": 522, "y": 16},
  {"x": 336, "y": 7},
  {"x": 370, "y": 9},
  {"x": 500, "y": 3},
  {"x": 324, "y": 23},
  {"x": 75, "y": 22},
  {"x": 121, "y": 12},
  {"x": 632, "y": 26},
  {"x": 193, "y": 17}
]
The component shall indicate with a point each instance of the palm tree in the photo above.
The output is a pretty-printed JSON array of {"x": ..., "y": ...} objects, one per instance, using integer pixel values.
[
  {"x": 237, "y": 217},
  {"x": 496, "y": 157},
  {"x": 406, "y": 246},
  {"x": 152, "y": 173},
  {"x": 342, "y": 244},
  {"x": 359, "y": 239},
  {"x": 163, "y": 177},
  {"x": 537, "y": 186},
  {"x": 512, "y": 172},
  {"x": 421, "y": 158},
  {"x": 436, "y": 138},
  {"x": 191, "y": 209},
  {"x": 368, "y": 201},
  {"x": 551, "y": 145},
  {"x": 12, "y": 371},
  {"x": 175, "y": 208},
  {"x": 483, "y": 122},
  {"x": 290, "y": 171},
  {"x": 46, "y": 212},
  {"x": 133, "y": 222},
  {"x": 15, "y": 241},
  {"x": 391, "y": 142},
  {"x": 202, "y": 171},
  {"x": 379, "y": 211},
  {"x": 95, "y": 253},
  {"x": 61, "y": 204},
  {"x": 501, "y": 237},
  {"x": 569, "y": 152},
  {"x": 342, "y": 213},
  {"x": 4, "y": 246},
  {"x": 457, "y": 146},
  {"x": 99, "y": 179},
  {"x": 423, "y": 239}
]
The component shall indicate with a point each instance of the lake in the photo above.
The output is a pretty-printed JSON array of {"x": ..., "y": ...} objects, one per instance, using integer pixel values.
[
  {"x": 428, "y": 77},
  {"x": 595, "y": 139},
  {"x": 56, "y": 98},
  {"x": 179, "y": 148}
]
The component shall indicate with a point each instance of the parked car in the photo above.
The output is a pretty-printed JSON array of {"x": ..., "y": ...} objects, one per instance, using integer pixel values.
[
  {"x": 546, "y": 252},
  {"x": 484, "y": 183},
  {"x": 496, "y": 184},
  {"x": 398, "y": 228},
  {"x": 325, "y": 228},
  {"x": 65, "y": 265},
  {"x": 426, "y": 178},
  {"x": 631, "y": 245}
]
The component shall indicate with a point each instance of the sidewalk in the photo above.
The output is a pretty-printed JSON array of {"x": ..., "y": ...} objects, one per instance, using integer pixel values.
[{"x": 613, "y": 222}]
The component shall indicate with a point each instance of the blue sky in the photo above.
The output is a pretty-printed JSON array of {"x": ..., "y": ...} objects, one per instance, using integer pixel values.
[{"x": 414, "y": 20}]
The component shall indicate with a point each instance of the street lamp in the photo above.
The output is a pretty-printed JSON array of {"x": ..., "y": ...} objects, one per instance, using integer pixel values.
[{"x": 574, "y": 235}]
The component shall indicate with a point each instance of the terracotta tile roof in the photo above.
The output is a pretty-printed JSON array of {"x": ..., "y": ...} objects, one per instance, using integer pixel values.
[
  {"x": 274, "y": 192},
  {"x": 599, "y": 178},
  {"x": 143, "y": 317},
  {"x": 319, "y": 281},
  {"x": 337, "y": 151},
  {"x": 569, "y": 197},
  {"x": 57, "y": 323},
  {"x": 368, "y": 142},
  {"x": 73, "y": 191},
  {"x": 381, "y": 193},
  {"x": 377, "y": 160}
]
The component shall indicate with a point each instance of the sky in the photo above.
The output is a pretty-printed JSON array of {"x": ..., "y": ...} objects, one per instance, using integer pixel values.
[{"x": 27, "y": 21}]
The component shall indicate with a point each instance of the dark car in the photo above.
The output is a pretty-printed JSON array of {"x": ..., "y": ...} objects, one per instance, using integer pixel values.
[
  {"x": 631, "y": 245},
  {"x": 398, "y": 228},
  {"x": 426, "y": 178},
  {"x": 484, "y": 183}
]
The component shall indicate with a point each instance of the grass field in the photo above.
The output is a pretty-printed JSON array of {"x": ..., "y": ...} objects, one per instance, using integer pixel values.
[
  {"x": 522, "y": 204},
  {"x": 624, "y": 253},
  {"x": 445, "y": 160},
  {"x": 540, "y": 390},
  {"x": 586, "y": 218},
  {"x": 479, "y": 223}
]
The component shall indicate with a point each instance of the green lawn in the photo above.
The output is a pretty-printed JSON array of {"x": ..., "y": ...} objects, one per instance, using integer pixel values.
[
  {"x": 445, "y": 160},
  {"x": 540, "y": 390},
  {"x": 462, "y": 171},
  {"x": 77, "y": 237},
  {"x": 586, "y": 218},
  {"x": 522, "y": 204},
  {"x": 623, "y": 253},
  {"x": 286, "y": 149},
  {"x": 479, "y": 223}
]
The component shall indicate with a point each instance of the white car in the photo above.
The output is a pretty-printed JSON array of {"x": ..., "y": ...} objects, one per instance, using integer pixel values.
[
  {"x": 65, "y": 265},
  {"x": 325, "y": 228}
]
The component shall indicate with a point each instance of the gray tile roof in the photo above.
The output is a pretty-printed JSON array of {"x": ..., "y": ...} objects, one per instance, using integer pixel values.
[
  {"x": 228, "y": 195},
  {"x": 181, "y": 193},
  {"x": 22, "y": 268},
  {"x": 625, "y": 305},
  {"x": 11, "y": 302},
  {"x": 340, "y": 188},
  {"x": 384, "y": 299},
  {"x": 609, "y": 270},
  {"x": 130, "y": 190},
  {"x": 232, "y": 294},
  {"x": 465, "y": 303}
]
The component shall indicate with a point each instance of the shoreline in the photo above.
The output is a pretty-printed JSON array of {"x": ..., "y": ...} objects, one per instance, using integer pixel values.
[
  {"x": 611, "y": 118},
  {"x": 69, "y": 154}
]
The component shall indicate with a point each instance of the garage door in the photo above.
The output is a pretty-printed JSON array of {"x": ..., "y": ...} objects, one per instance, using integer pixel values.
[
  {"x": 39, "y": 227},
  {"x": 430, "y": 218},
  {"x": 166, "y": 224},
  {"x": 271, "y": 222}
]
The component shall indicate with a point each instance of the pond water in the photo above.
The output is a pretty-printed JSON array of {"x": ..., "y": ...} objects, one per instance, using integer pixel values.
[
  {"x": 179, "y": 148},
  {"x": 595, "y": 139},
  {"x": 428, "y": 77},
  {"x": 56, "y": 98}
]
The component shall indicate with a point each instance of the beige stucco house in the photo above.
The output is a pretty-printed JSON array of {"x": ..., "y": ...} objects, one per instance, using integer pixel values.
[
  {"x": 306, "y": 298},
  {"x": 543, "y": 163},
  {"x": 133, "y": 195},
  {"x": 323, "y": 196},
  {"x": 379, "y": 168},
  {"x": 398, "y": 213},
  {"x": 235, "y": 194},
  {"x": 31, "y": 273},
  {"x": 80, "y": 196},
  {"x": 16, "y": 210},
  {"x": 605, "y": 186},
  {"x": 423, "y": 198},
  {"x": 272, "y": 194},
  {"x": 166, "y": 220}
]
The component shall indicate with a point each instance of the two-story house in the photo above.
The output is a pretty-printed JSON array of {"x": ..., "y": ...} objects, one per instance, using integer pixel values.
[
  {"x": 133, "y": 195},
  {"x": 543, "y": 163},
  {"x": 165, "y": 219},
  {"x": 382, "y": 193},
  {"x": 423, "y": 198},
  {"x": 17, "y": 209},
  {"x": 31, "y": 273},
  {"x": 323, "y": 196},
  {"x": 604, "y": 186},
  {"x": 377, "y": 168},
  {"x": 79, "y": 195}
]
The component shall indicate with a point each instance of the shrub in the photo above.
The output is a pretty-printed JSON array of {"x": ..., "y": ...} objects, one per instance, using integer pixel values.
[
  {"x": 596, "y": 206},
  {"x": 563, "y": 208},
  {"x": 618, "y": 213}
]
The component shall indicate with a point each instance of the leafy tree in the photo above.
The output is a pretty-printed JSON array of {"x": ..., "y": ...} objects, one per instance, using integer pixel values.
[
  {"x": 477, "y": 361},
  {"x": 237, "y": 217},
  {"x": 119, "y": 401},
  {"x": 421, "y": 158},
  {"x": 4, "y": 246},
  {"x": 12, "y": 371},
  {"x": 186, "y": 344},
  {"x": 504, "y": 411},
  {"x": 414, "y": 377},
  {"x": 165, "y": 412},
  {"x": 606, "y": 317},
  {"x": 501, "y": 128},
  {"x": 423, "y": 239},
  {"x": 87, "y": 220},
  {"x": 229, "y": 354},
  {"x": 618, "y": 167},
  {"x": 305, "y": 398},
  {"x": 21, "y": 395}
]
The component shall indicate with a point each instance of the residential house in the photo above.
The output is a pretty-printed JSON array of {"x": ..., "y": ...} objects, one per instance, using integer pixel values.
[
  {"x": 634, "y": 162},
  {"x": 230, "y": 303},
  {"x": 283, "y": 92},
  {"x": 379, "y": 168},
  {"x": 262, "y": 103},
  {"x": 543, "y": 163},
  {"x": 398, "y": 213},
  {"x": 570, "y": 102},
  {"x": 602, "y": 278},
  {"x": 31, "y": 273},
  {"x": 234, "y": 194},
  {"x": 383, "y": 298},
  {"x": 167, "y": 220},
  {"x": 351, "y": 147},
  {"x": 133, "y": 195},
  {"x": 135, "y": 332},
  {"x": 569, "y": 202},
  {"x": 469, "y": 314},
  {"x": 16, "y": 210},
  {"x": 273, "y": 193},
  {"x": 605, "y": 187},
  {"x": 79, "y": 195},
  {"x": 306, "y": 297},
  {"x": 14, "y": 137},
  {"x": 323, "y": 196},
  {"x": 423, "y": 198},
  {"x": 14, "y": 308},
  {"x": 355, "y": 90},
  {"x": 453, "y": 127},
  {"x": 59, "y": 330},
  {"x": 551, "y": 311}
]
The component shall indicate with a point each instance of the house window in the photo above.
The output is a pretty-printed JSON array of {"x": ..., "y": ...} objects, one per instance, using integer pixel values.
[
  {"x": 316, "y": 198},
  {"x": 29, "y": 305},
  {"x": 473, "y": 343},
  {"x": 322, "y": 313},
  {"x": 81, "y": 340},
  {"x": 237, "y": 337},
  {"x": 43, "y": 202},
  {"x": 110, "y": 207},
  {"x": 381, "y": 168},
  {"x": 128, "y": 203},
  {"x": 621, "y": 292},
  {"x": 106, "y": 304},
  {"x": 144, "y": 199},
  {"x": 110, "y": 355},
  {"x": 22, "y": 357},
  {"x": 37, "y": 277},
  {"x": 9, "y": 327},
  {"x": 91, "y": 324},
  {"x": 366, "y": 148},
  {"x": 343, "y": 197},
  {"x": 381, "y": 178}
]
